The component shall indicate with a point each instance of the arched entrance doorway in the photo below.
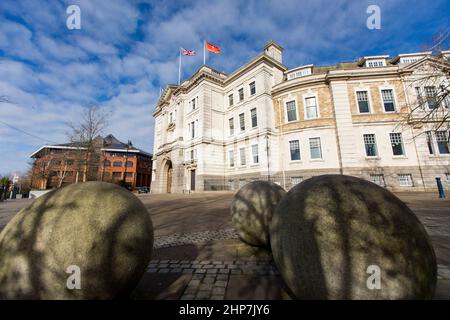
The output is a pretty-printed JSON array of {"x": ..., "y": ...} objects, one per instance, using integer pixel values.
[{"x": 169, "y": 172}]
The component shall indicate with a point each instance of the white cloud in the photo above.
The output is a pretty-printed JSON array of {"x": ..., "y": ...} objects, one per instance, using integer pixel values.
[{"x": 121, "y": 56}]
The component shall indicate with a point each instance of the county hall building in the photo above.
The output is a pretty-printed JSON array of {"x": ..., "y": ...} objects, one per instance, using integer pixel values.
[{"x": 218, "y": 131}]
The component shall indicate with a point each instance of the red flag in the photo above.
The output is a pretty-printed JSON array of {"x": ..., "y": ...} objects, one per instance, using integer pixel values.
[
  {"x": 212, "y": 48},
  {"x": 187, "y": 52}
]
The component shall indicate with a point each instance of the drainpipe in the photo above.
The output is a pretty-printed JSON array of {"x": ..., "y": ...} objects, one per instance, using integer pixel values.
[
  {"x": 281, "y": 142},
  {"x": 267, "y": 156},
  {"x": 338, "y": 145}
]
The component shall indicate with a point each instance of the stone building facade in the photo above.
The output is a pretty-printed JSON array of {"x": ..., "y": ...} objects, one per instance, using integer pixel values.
[{"x": 263, "y": 121}]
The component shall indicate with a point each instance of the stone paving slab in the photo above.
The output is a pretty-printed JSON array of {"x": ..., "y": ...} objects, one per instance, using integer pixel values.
[
  {"x": 240, "y": 279},
  {"x": 210, "y": 278}
]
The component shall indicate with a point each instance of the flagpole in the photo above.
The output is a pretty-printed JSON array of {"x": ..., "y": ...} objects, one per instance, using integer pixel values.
[
  {"x": 179, "y": 68},
  {"x": 204, "y": 51}
]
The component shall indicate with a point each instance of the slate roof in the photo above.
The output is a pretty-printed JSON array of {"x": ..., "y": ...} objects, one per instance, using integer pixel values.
[{"x": 108, "y": 142}]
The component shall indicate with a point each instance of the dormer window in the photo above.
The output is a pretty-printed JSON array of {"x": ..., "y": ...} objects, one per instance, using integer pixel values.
[
  {"x": 299, "y": 72},
  {"x": 404, "y": 58},
  {"x": 375, "y": 63},
  {"x": 409, "y": 60}
]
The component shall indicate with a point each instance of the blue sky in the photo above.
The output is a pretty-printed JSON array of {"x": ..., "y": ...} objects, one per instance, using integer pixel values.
[{"x": 126, "y": 50}]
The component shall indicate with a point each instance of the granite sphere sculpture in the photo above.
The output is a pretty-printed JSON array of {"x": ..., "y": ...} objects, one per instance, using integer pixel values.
[
  {"x": 252, "y": 209},
  {"x": 341, "y": 237},
  {"x": 88, "y": 240}
]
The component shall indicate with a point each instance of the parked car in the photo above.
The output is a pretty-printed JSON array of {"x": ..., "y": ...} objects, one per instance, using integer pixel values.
[{"x": 143, "y": 190}]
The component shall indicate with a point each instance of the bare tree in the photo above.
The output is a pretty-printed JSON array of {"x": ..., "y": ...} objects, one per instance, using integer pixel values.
[
  {"x": 429, "y": 89},
  {"x": 41, "y": 171},
  {"x": 26, "y": 180},
  {"x": 85, "y": 135},
  {"x": 62, "y": 173}
]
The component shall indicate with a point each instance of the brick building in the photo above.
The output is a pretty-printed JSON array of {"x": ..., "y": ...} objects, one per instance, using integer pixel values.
[{"x": 110, "y": 160}]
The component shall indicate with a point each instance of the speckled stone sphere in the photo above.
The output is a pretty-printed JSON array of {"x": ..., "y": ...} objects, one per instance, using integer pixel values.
[
  {"x": 100, "y": 228},
  {"x": 252, "y": 209},
  {"x": 341, "y": 237}
]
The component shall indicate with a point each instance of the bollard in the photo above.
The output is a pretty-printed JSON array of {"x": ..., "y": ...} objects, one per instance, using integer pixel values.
[{"x": 440, "y": 188}]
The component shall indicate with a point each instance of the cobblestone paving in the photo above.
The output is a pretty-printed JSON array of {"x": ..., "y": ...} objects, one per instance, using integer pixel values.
[
  {"x": 179, "y": 239},
  {"x": 210, "y": 278}
]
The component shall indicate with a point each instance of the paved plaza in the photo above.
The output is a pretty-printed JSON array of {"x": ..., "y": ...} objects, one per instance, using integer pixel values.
[{"x": 197, "y": 254}]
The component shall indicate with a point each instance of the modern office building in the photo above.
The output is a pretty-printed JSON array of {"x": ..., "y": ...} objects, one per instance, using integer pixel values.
[{"x": 111, "y": 161}]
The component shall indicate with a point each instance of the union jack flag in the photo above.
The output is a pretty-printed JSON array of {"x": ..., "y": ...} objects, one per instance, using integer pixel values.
[{"x": 187, "y": 52}]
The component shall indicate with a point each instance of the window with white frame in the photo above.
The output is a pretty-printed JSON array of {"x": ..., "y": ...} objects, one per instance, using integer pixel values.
[
  {"x": 255, "y": 154},
  {"x": 231, "y": 126},
  {"x": 311, "y": 108},
  {"x": 409, "y": 59},
  {"x": 299, "y": 73},
  {"x": 241, "y": 94},
  {"x": 431, "y": 96},
  {"x": 193, "y": 154},
  {"x": 242, "y": 156},
  {"x": 231, "y": 158},
  {"x": 405, "y": 180},
  {"x": 242, "y": 121},
  {"x": 442, "y": 140},
  {"x": 375, "y": 63},
  {"x": 363, "y": 101},
  {"x": 315, "y": 148},
  {"x": 254, "y": 117},
  {"x": 294, "y": 148},
  {"x": 252, "y": 87},
  {"x": 194, "y": 103},
  {"x": 397, "y": 144},
  {"x": 192, "y": 126},
  {"x": 378, "y": 179},
  {"x": 170, "y": 118},
  {"x": 430, "y": 142},
  {"x": 296, "y": 180},
  {"x": 291, "y": 111},
  {"x": 388, "y": 100},
  {"x": 370, "y": 145},
  {"x": 230, "y": 100},
  {"x": 419, "y": 96}
]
